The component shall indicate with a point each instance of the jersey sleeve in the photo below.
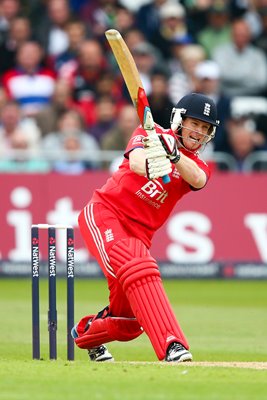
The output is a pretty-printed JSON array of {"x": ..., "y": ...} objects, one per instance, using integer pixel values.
[
  {"x": 135, "y": 140},
  {"x": 204, "y": 166},
  {"x": 137, "y": 137}
]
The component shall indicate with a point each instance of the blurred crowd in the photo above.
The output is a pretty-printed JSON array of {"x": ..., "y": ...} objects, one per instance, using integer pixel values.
[{"x": 64, "y": 106}]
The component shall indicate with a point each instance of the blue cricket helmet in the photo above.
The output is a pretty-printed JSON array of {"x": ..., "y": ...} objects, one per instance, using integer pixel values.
[
  {"x": 199, "y": 106},
  {"x": 195, "y": 105}
]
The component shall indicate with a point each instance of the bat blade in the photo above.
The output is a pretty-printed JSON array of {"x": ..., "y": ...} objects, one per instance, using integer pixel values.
[
  {"x": 126, "y": 63},
  {"x": 133, "y": 81}
]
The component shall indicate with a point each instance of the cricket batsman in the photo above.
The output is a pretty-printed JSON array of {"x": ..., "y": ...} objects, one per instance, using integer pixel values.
[{"x": 120, "y": 220}]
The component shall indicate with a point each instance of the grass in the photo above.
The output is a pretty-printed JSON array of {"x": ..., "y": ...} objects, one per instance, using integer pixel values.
[{"x": 223, "y": 321}]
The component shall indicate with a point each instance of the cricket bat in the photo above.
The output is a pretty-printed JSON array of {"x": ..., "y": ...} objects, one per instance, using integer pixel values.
[{"x": 133, "y": 82}]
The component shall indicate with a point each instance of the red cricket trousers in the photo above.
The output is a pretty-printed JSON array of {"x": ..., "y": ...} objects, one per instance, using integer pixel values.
[
  {"x": 132, "y": 274},
  {"x": 101, "y": 229}
]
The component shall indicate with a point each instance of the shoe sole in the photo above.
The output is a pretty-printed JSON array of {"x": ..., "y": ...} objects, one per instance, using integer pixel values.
[
  {"x": 105, "y": 360},
  {"x": 187, "y": 357}
]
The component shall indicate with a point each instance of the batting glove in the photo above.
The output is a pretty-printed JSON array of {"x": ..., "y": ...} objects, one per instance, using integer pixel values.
[
  {"x": 153, "y": 146},
  {"x": 158, "y": 167},
  {"x": 169, "y": 144}
]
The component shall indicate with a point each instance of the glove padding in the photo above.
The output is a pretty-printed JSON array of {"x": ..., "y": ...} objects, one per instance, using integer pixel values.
[
  {"x": 169, "y": 144},
  {"x": 153, "y": 146},
  {"x": 158, "y": 167},
  {"x": 157, "y": 161}
]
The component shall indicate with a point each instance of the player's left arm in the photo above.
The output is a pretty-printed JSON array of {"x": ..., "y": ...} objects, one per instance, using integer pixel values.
[
  {"x": 194, "y": 171},
  {"x": 191, "y": 172}
]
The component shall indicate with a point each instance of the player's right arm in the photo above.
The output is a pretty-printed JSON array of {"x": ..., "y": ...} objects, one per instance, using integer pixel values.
[
  {"x": 191, "y": 172},
  {"x": 150, "y": 160},
  {"x": 137, "y": 160},
  {"x": 147, "y": 156}
]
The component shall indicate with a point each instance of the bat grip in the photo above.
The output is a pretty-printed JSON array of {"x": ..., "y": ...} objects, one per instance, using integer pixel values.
[{"x": 166, "y": 179}]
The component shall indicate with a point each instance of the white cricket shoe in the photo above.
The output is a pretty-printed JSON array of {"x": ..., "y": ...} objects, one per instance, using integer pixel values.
[
  {"x": 100, "y": 353},
  {"x": 177, "y": 353}
]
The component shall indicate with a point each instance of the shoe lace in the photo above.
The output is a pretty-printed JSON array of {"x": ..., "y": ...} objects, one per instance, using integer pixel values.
[
  {"x": 175, "y": 347},
  {"x": 98, "y": 351}
]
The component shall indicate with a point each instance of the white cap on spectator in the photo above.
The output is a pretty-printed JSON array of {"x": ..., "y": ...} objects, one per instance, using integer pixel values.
[
  {"x": 207, "y": 69},
  {"x": 169, "y": 10},
  {"x": 143, "y": 48}
]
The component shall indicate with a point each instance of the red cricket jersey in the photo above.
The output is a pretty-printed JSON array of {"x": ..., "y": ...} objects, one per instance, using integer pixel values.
[{"x": 143, "y": 205}]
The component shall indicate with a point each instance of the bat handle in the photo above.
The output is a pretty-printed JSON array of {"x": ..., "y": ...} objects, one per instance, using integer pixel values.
[{"x": 166, "y": 179}]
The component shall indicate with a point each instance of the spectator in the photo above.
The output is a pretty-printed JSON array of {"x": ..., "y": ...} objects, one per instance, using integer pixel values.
[
  {"x": 243, "y": 66},
  {"x": 77, "y": 4},
  {"x": 172, "y": 25},
  {"x": 109, "y": 85},
  {"x": 71, "y": 124},
  {"x": 61, "y": 102},
  {"x": 30, "y": 84},
  {"x": 261, "y": 124},
  {"x": 73, "y": 165},
  {"x": 51, "y": 31},
  {"x": 76, "y": 31},
  {"x": 3, "y": 98},
  {"x": 19, "y": 33},
  {"x": 196, "y": 12},
  {"x": 106, "y": 117},
  {"x": 9, "y": 10},
  {"x": 124, "y": 19},
  {"x": 159, "y": 99},
  {"x": 90, "y": 67},
  {"x": 148, "y": 18},
  {"x": 239, "y": 8},
  {"x": 133, "y": 37},
  {"x": 99, "y": 15},
  {"x": 146, "y": 57},
  {"x": 118, "y": 136},
  {"x": 218, "y": 29},
  {"x": 208, "y": 82},
  {"x": 184, "y": 81},
  {"x": 20, "y": 157},
  {"x": 146, "y": 60},
  {"x": 12, "y": 122},
  {"x": 244, "y": 140},
  {"x": 178, "y": 44},
  {"x": 261, "y": 40},
  {"x": 252, "y": 17},
  {"x": 37, "y": 13}
]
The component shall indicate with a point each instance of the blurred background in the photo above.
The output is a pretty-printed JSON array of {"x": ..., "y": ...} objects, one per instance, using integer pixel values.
[{"x": 66, "y": 117}]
